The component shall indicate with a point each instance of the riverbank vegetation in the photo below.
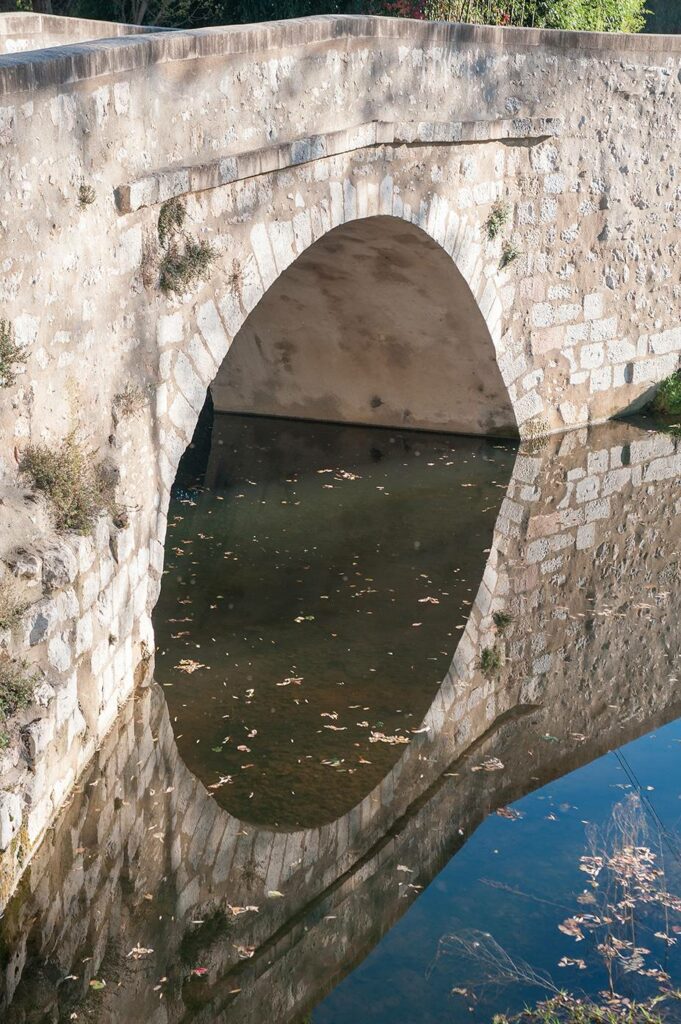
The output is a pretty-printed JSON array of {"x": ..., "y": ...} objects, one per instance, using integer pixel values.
[{"x": 626, "y": 921}]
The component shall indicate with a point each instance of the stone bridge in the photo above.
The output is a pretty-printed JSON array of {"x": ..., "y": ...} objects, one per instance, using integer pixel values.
[{"x": 344, "y": 173}]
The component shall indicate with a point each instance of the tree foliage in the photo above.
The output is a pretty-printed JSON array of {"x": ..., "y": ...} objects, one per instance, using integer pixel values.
[
  {"x": 572, "y": 15},
  {"x": 586, "y": 15}
]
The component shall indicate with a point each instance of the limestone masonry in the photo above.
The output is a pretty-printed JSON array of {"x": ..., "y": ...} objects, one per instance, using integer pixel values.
[{"x": 385, "y": 142}]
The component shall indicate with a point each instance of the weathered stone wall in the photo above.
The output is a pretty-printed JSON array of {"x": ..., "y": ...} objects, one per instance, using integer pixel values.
[{"x": 451, "y": 118}]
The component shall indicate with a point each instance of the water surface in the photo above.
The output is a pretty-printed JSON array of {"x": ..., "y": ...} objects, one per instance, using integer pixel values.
[{"x": 360, "y": 871}]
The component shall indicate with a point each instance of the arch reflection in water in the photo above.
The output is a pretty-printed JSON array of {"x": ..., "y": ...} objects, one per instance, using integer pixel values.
[
  {"x": 585, "y": 576},
  {"x": 313, "y": 597}
]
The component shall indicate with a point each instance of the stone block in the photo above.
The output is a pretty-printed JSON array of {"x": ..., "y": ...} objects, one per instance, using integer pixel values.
[{"x": 11, "y": 813}]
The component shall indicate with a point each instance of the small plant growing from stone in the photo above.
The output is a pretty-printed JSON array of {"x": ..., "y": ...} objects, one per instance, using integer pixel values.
[
  {"x": 77, "y": 487},
  {"x": 185, "y": 261},
  {"x": 17, "y": 686},
  {"x": 182, "y": 266},
  {"x": 12, "y": 604},
  {"x": 502, "y": 620},
  {"x": 490, "y": 661},
  {"x": 86, "y": 195},
  {"x": 509, "y": 254},
  {"x": 11, "y": 355},
  {"x": 171, "y": 218},
  {"x": 496, "y": 220},
  {"x": 128, "y": 402},
  {"x": 236, "y": 274},
  {"x": 667, "y": 401}
]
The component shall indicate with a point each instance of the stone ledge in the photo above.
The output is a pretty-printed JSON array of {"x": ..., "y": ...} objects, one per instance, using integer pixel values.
[{"x": 177, "y": 181}]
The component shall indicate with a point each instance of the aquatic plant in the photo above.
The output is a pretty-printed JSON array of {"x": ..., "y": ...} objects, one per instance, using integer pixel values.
[
  {"x": 628, "y": 895},
  {"x": 11, "y": 355},
  {"x": 78, "y": 487},
  {"x": 667, "y": 401},
  {"x": 567, "y": 1009}
]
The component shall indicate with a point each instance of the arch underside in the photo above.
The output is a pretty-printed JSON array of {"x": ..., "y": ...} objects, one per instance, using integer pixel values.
[{"x": 372, "y": 324}]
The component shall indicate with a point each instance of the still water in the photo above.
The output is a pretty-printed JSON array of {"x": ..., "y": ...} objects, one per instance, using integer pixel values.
[{"x": 413, "y": 749}]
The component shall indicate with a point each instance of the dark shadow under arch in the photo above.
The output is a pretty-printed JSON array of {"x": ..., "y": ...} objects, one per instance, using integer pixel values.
[{"x": 372, "y": 324}]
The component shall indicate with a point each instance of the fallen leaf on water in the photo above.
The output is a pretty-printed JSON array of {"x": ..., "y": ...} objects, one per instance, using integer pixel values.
[
  {"x": 380, "y": 737},
  {"x": 137, "y": 952},
  {"x": 509, "y": 812},
  {"x": 568, "y": 961},
  {"x": 97, "y": 984},
  {"x": 245, "y": 952},
  {"x": 292, "y": 680},
  {"x": 236, "y": 911},
  {"x": 492, "y": 764},
  {"x": 275, "y": 894},
  {"x": 188, "y": 665},
  {"x": 571, "y": 927},
  {"x": 199, "y": 972}
]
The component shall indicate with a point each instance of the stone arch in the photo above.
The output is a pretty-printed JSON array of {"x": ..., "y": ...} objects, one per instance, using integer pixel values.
[
  {"x": 259, "y": 259},
  {"x": 374, "y": 324}
]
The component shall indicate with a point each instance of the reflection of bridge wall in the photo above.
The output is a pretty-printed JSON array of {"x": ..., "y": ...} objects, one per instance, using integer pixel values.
[{"x": 590, "y": 649}]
